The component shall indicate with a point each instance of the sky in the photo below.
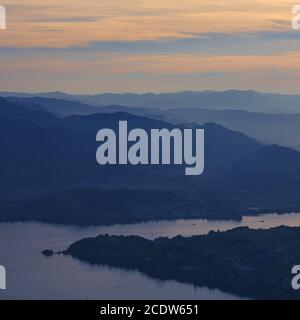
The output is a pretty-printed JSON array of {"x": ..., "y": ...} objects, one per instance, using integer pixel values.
[{"x": 95, "y": 46}]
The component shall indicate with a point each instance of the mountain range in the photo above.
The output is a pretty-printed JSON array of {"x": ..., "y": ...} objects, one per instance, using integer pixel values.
[
  {"x": 232, "y": 99},
  {"x": 47, "y": 161},
  {"x": 267, "y": 128}
]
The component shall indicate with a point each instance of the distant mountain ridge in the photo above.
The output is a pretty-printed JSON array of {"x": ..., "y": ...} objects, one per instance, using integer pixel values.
[
  {"x": 231, "y": 99},
  {"x": 268, "y": 128},
  {"x": 56, "y": 106},
  {"x": 43, "y": 156},
  {"x": 47, "y": 150}
]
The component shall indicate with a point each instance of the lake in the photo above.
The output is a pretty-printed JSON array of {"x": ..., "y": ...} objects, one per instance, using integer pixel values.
[{"x": 30, "y": 275}]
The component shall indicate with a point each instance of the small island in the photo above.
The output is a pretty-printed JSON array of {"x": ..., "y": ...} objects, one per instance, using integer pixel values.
[
  {"x": 245, "y": 262},
  {"x": 48, "y": 253}
]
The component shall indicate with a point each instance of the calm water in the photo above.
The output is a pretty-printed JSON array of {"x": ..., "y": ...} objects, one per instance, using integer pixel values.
[{"x": 32, "y": 276}]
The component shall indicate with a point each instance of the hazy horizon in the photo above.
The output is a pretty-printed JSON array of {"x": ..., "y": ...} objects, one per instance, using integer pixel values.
[{"x": 145, "y": 92}]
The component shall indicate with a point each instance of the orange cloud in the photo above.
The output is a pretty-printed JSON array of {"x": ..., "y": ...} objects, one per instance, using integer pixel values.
[{"x": 61, "y": 23}]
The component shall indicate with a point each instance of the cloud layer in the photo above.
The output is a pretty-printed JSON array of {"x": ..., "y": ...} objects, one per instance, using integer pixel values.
[{"x": 149, "y": 45}]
